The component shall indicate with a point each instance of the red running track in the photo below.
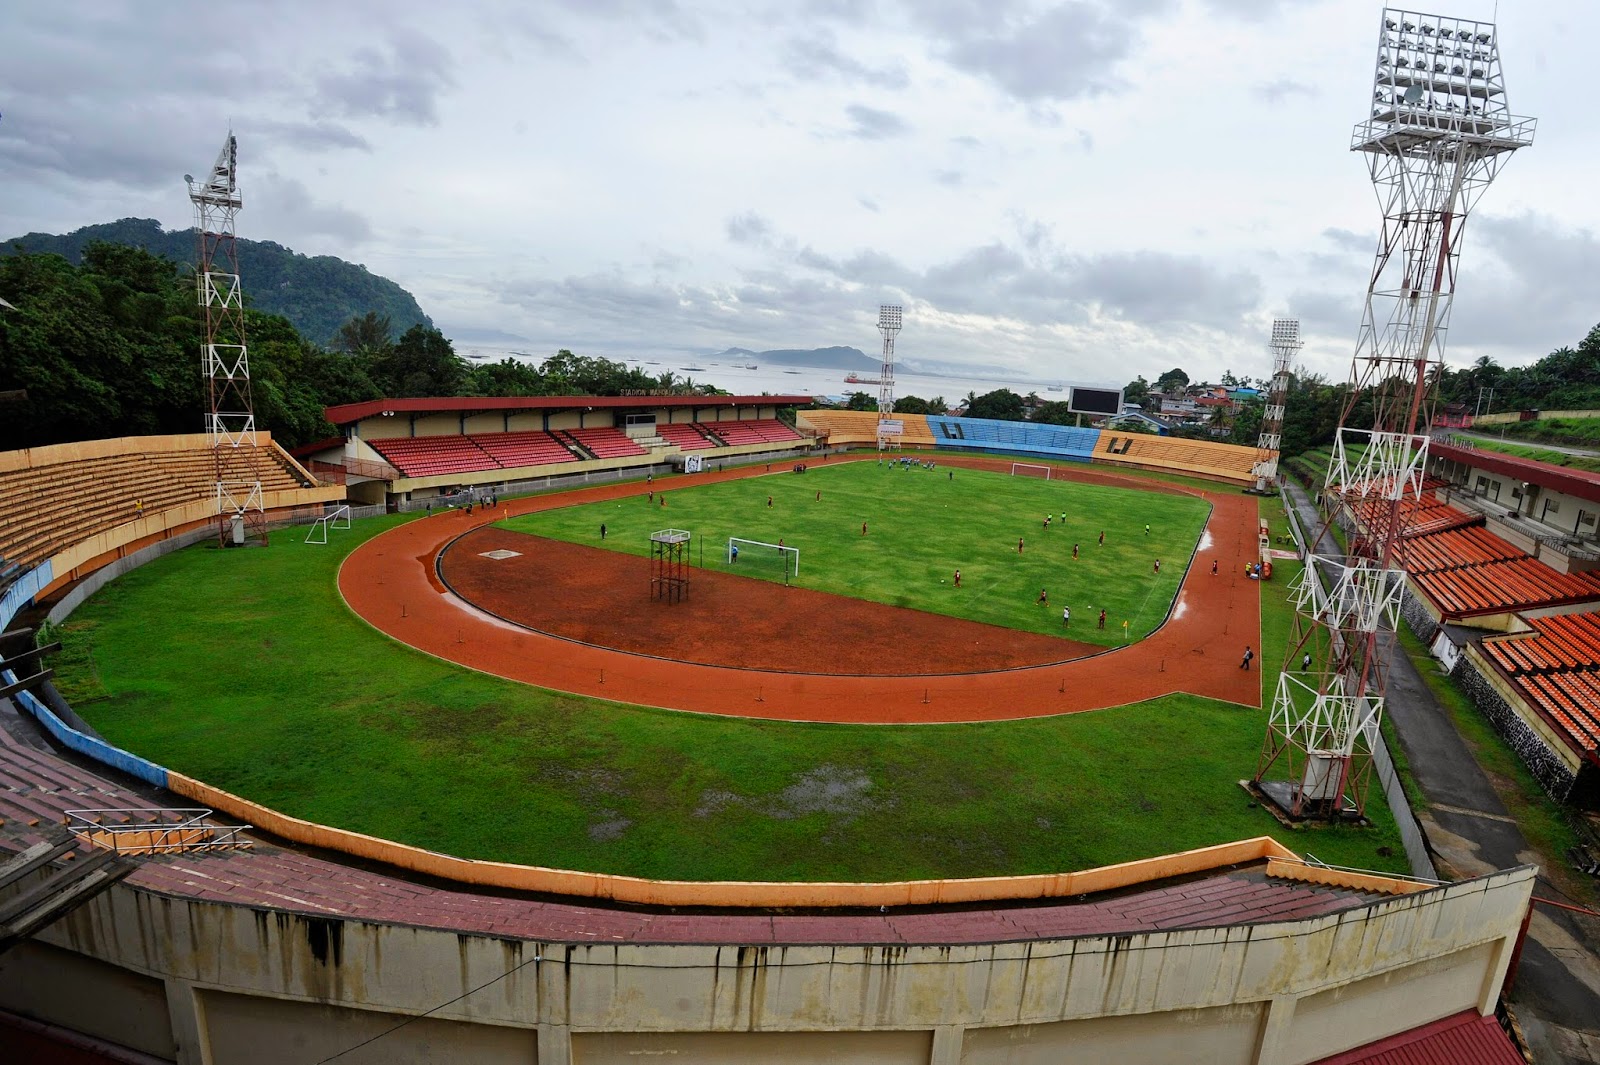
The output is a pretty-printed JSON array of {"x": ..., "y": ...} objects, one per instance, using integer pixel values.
[{"x": 391, "y": 582}]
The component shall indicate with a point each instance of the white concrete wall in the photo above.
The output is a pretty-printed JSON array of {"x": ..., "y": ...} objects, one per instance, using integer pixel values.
[{"x": 245, "y": 983}]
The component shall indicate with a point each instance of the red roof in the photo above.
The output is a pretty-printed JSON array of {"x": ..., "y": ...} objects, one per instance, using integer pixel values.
[
  {"x": 1579, "y": 483},
  {"x": 355, "y": 412},
  {"x": 1462, "y": 1039}
]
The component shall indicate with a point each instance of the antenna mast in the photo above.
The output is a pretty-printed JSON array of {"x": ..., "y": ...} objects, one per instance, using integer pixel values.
[
  {"x": 224, "y": 358},
  {"x": 1439, "y": 131}
]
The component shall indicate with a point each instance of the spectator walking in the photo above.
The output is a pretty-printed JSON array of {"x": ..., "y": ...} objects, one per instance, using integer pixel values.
[
  {"x": 1248, "y": 655},
  {"x": 1305, "y": 663}
]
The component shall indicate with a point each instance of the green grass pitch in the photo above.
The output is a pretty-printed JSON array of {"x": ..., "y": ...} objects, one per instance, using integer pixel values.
[
  {"x": 321, "y": 717},
  {"x": 923, "y": 525}
]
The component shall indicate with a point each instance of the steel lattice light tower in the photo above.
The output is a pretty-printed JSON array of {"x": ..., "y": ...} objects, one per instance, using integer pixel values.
[
  {"x": 225, "y": 360},
  {"x": 1286, "y": 343},
  {"x": 889, "y": 326},
  {"x": 1439, "y": 132}
]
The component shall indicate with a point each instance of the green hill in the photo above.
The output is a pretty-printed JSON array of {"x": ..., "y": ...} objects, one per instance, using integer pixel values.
[{"x": 317, "y": 293}]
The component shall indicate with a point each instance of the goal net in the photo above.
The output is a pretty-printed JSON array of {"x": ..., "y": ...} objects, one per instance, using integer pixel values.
[
  {"x": 760, "y": 557},
  {"x": 1028, "y": 469}
]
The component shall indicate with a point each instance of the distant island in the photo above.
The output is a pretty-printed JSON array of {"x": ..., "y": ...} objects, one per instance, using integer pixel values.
[{"x": 317, "y": 293}]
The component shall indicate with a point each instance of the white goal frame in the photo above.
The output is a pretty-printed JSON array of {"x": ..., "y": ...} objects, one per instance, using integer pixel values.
[
  {"x": 331, "y": 520},
  {"x": 793, "y": 552},
  {"x": 1030, "y": 466}
]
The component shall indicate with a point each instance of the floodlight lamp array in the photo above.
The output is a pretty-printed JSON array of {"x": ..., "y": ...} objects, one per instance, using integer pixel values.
[
  {"x": 889, "y": 318},
  {"x": 1441, "y": 74}
]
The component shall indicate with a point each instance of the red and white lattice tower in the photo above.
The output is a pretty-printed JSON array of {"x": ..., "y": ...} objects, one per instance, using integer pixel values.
[
  {"x": 1285, "y": 345},
  {"x": 1439, "y": 132},
  {"x": 224, "y": 358},
  {"x": 889, "y": 326}
]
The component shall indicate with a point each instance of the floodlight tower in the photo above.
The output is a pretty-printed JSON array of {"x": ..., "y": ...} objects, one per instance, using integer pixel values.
[
  {"x": 224, "y": 358},
  {"x": 1285, "y": 345},
  {"x": 889, "y": 326},
  {"x": 1439, "y": 131}
]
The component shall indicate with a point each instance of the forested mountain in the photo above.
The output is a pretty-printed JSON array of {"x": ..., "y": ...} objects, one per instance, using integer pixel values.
[
  {"x": 110, "y": 347},
  {"x": 317, "y": 293}
]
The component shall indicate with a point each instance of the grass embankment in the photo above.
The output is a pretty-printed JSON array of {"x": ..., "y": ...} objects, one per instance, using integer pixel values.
[
  {"x": 319, "y": 716},
  {"x": 922, "y": 526},
  {"x": 1589, "y": 463},
  {"x": 1583, "y": 433}
]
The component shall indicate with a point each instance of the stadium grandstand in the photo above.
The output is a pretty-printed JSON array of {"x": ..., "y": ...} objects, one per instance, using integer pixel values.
[
  {"x": 1503, "y": 583},
  {"x": 66, "y": 510},
  {"x": 1202, "y": 458},
  {"x": 410, "y": 452}
]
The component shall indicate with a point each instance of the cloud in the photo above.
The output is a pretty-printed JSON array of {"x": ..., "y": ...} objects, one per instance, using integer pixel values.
[
  {"x": 1157, "y": 288},
  {"x": 950, "y": 179},
  {"x": 1281, "y": 89},
  {"x": 1066, "y": 52},
  {"x": 291, "y": 204},
  {"x": 874, "y": 125},
  {"x": 1527, "y": 283},
  {"x": 401, "y": 83},
  {"x": 817, "y": 57},
  {"x": 309, "y": 136},
  {"x": 748, "y": 228}
]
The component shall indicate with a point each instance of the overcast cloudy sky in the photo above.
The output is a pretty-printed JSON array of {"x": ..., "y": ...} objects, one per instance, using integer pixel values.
[{"x": 1084, "y": 190}]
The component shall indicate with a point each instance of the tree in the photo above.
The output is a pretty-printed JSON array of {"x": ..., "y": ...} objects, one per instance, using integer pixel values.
[
  {"x": 1001, "y": 405},
  {"x": 369, "y": 335},
  {"x": 937, "y": 405},
  {"x": 1230, "y": 381},
  {"x": 861, "y": 401},
  {"x": 910, "y": 405},
  {"x": 1174, "y": 380},
  {"x": 1054, "y": 413},
  {"x": 422, "y": 363},
  {"x": 1137, "y": 391}
]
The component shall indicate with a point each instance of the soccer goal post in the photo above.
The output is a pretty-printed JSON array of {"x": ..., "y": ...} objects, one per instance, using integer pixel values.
[
  {"x": 742, "y": 552},
  {"x": 334, "y": 519},
  {"x": 1029, "y": 469}
]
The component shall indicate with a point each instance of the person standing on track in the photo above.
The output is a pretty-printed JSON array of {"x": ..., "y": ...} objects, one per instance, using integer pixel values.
[
  {"x": 1213, "y": 567},
  {"x": 1248, "y": 655}
]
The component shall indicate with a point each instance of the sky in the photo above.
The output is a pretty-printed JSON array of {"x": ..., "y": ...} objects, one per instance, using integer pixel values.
[{"x": 1082, "y": 191}]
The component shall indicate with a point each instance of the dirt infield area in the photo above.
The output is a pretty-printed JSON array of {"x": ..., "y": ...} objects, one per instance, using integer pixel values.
[
  {"x": 603, "y": 598},
  {"x": 392, "y": 583}
]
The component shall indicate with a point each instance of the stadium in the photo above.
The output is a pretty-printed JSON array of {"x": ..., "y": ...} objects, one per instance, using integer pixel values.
[
  {"x": 352, "y": 919},
  {"x": 584, "y": 714}
]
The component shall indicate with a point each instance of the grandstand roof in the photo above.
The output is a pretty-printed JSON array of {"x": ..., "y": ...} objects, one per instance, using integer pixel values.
[
  {"x": 349, "y": 413},
  {"x": 1461, "y": 1039},
  {"x": 1578, "y": 483}
]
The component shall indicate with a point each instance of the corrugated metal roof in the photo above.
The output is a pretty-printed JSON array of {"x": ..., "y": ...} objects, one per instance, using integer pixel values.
[
  {"x": 1462, "y": 1039},
  {"x": 355, "y": 412}
]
